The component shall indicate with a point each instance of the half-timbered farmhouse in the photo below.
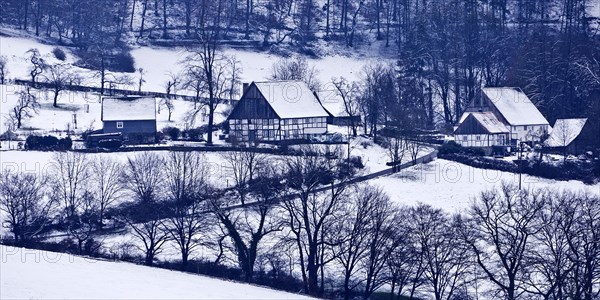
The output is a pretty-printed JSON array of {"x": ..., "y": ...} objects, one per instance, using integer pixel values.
[
  {"x": 277, "y": 111},
  {"x": 133, "y": 117},
  {"x": 501, "y": 116}
]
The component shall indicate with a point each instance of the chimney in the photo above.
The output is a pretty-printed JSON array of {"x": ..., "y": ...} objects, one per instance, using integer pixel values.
[{"x": 245, "y": 86}]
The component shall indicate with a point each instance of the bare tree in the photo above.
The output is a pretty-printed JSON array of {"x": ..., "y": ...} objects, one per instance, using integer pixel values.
[
  {"x": 244, "y": 165},
  {"x": 396, "y": 150},
  {"x": 70, "y": 178},
  {"x": 235, "y": 81},
  {"x": 247, "y": 227},
  {"x": 171, "y": 84},
  {"x": 311, "y": 212},
  {"x": 405, "y": 264},
  {"x": 26, "y": 106},
  {"x": 348, "y": 91},
  {"x": 186, "y": 175},
  {"x": 216, "y": 71},
  {"x": 212, "y": 66},
  {"x": 3, "y": 69},
  {"x": 143, "y": 175},
  {"x": 59, "y": 77},
  {"x": 187, "y": 184},
  {"x": 145, "y": 219},
  {"x": 22, "y": 199},
  {"x": 106, "y": 185},
  {"x": 500, "y": 230},
  {"x": 168, "y": 104},
  {"x": 82, "y": 222},
  {"x": 141, "y": 79},
  {"x": 38, "y": 64},
  {"x": 381, "y": 242},
  {"x": 296, "y": 68},
  {"x": 445, "y": 255},
  {"x": 193, "y": 79},
  {"x": 549, "y": 254},
  {"x": 581, "y": 212},
  {"x": 186, "y": 225},
  {"x": 415, "y": 146},
  {"x": 351, "y": 248}
]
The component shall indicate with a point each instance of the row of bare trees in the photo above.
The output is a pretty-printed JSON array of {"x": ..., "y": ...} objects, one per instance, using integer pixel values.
[{"x": 298, "y": 216}]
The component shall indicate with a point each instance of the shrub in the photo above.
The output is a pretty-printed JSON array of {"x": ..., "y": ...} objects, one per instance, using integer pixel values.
[
  {"x": 123, "y": 62},
  {"x": 173, "y": 132},
  {"x": 195, "y": 134},
  {"x": 449, "y": 148},
  {"x": 47, "y": 143},
  {"x": 65, "y": 144},
  {"x": 583, "y": 171},
  {"x": 59, "y": 54},
  {"x": 452, "y": 147}
]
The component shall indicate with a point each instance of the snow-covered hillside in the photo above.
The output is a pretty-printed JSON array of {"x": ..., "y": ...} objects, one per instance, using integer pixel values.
[
  {"x": 34, "y": 274},
  {"x": 158, "y": 63}
]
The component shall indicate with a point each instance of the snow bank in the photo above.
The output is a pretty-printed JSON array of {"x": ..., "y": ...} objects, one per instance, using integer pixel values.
[{"x": 26, "y": 274}]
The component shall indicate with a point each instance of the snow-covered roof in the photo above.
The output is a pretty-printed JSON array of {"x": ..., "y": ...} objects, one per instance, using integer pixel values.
[
  {"x": 128, "y": 109},
  {"x": 515, "y": 106},
  {"x": 291, "y": 99},
  {"x": 565, "y": 131},
  {"x": 333, "y": 102},
  {"x": 489, "y": 121}
]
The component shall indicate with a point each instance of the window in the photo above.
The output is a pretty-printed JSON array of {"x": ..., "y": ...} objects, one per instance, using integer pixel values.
[
  {"x": 464, "y": 137},
  {"x": 119, "y": 124},
  {"x": 525, "y": 127},
  {"x": 477, "y": 137}
]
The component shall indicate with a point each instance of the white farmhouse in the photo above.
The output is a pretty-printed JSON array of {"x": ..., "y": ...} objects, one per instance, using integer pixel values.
[{"x": 509, "y": 106}]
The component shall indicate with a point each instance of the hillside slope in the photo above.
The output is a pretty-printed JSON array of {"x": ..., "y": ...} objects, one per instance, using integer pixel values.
[{"x": 33, "y": 274}]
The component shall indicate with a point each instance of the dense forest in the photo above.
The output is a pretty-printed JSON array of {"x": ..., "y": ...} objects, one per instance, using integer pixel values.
[{"x": 446, "y": 49}]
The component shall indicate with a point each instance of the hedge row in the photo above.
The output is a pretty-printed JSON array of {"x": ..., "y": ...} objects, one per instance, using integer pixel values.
[
  {"x": 588, "y": 172},
  {"x": 48, "y": 143}
]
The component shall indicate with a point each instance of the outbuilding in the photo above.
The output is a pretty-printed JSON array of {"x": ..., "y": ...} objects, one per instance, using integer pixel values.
[{"x": 133, "y": 117}]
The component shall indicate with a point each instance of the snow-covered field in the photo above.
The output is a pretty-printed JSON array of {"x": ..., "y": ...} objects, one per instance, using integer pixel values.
[
  {"x": 453, "y": 186},
  {"x": 34, "y": 274}
]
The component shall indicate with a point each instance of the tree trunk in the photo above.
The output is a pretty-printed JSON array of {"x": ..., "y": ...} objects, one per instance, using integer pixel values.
[{"x": 56, "y": 98}]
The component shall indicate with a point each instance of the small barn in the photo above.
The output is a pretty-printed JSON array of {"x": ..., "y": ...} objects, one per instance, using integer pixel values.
[
  {"x": 481, "y": 129},
  {"x": 133, "y": 117},
  {"x": 334, "y": 104},
  {"x": 510, "y": 105},
  {"x": 277, "y": 111},
  {"x": 569, "y": 136}
]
